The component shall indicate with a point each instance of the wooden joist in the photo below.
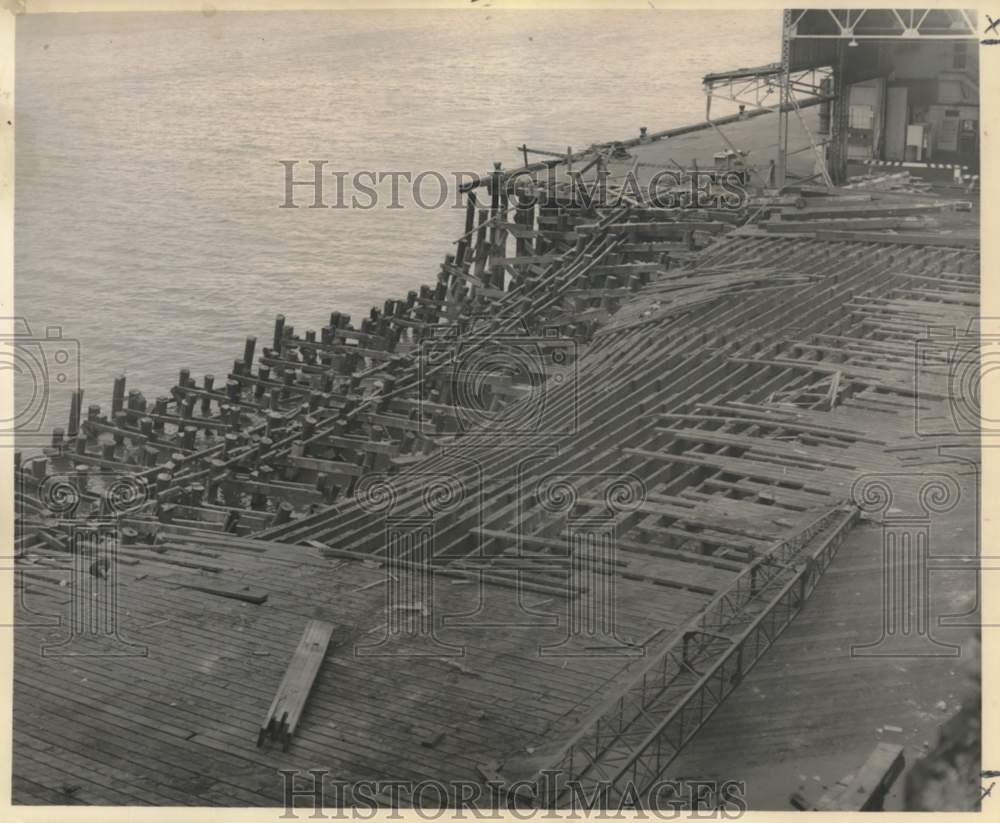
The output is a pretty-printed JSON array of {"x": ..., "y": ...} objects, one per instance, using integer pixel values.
[
  {"x": 873, "y": 211},
  {"x": 286, "y": 709},
  {"x": 956, "y": 241}
]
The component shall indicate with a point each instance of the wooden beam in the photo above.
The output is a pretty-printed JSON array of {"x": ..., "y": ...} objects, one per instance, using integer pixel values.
[{"x": 286, "y": 708}]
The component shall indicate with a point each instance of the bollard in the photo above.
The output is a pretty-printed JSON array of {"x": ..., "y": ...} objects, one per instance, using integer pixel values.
[{"x": 39, "y": 466}]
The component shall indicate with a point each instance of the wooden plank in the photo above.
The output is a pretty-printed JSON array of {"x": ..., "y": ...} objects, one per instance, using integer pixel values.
[
  {"x": 326, "y": 466},
  {"x": 667, "y": 230},
  {"x": 909, "y": 239},
  {"x": 286, "y": 709},
  {"x": 222, "y": 588},
  {"x": 863, "y": 224},
  {"x": 874, "y": 211}
]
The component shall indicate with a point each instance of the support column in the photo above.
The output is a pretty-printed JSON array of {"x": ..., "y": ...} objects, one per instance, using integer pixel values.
[
  {"x": 780, "y": 166},
  {"x": 839, "y": 117}
]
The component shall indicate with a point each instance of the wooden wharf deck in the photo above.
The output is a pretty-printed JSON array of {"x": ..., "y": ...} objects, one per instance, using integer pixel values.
[{"x": 706, "y": 391}]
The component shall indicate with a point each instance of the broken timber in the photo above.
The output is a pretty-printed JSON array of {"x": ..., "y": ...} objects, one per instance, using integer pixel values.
[{"x": 286, "y": 709}]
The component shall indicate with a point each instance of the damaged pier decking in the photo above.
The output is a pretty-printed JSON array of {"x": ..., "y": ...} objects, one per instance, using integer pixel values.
[{"x": 715, "y": 384}]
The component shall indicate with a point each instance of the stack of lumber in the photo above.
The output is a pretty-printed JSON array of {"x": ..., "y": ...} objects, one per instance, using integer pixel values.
[
  {"x": 863, "y": 214},
  {"x": 899, "y": 182}
]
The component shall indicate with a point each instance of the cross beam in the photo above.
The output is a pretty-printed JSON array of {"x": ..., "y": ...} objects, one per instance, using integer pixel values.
[
  {"x": 761, "y": 87},
  {"x": 882, "y": 24}
]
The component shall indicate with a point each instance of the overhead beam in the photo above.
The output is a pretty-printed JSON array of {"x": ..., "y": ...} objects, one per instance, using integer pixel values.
[{"x": 862, "y": 24}]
